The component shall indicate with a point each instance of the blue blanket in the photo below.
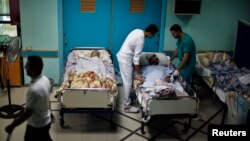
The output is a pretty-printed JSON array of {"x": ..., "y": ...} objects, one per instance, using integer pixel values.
[{"x": 226, "y": 76}]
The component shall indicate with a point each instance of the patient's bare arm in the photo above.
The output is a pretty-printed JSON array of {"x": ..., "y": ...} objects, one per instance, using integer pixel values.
[
  {"x": 173, "y": 55},
  {"x": 137, "y": 69},
  {"x": 184, "y": 61}
]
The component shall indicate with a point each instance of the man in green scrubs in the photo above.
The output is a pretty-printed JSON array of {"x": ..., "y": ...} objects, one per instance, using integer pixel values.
[{"x": 186, "y": 52}]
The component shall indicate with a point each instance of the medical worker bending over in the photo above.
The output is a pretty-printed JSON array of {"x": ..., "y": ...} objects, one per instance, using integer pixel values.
[
  {"x": 186, "y": 52},
  {"x": 128, "y": 58}
]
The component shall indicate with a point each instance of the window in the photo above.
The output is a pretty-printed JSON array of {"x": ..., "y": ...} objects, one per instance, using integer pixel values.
[
  {"x": 4, "y": 7},
  {"x": 6, "y": 25},
  {"x": 88, "y": 5},
  {"x": 136, "y": 6},
  {"x": 4, "y": 11},
  {"x": 8, "y": 29}
]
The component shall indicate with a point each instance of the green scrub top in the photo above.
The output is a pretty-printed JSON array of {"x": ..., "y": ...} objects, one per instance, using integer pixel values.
[{"x": 186, "y": 45}]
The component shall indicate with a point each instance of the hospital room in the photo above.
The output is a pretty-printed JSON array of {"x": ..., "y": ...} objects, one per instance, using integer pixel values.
[{"x": 124, "y": 70}]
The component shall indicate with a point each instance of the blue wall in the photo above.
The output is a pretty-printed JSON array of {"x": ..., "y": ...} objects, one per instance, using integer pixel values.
[
  {"x": 86, "y": 29},
  {"x": 214, "y": 28},
  {"x": 109, "y": 25},
  {"x": 123, "y": 22}
]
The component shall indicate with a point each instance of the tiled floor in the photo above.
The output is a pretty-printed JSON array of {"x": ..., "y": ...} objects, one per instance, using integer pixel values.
[{"x": 95, "y": 126}]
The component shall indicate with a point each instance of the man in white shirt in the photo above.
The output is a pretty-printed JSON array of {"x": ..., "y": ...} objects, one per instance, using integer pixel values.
[
  {"x": 37, "y": 112},
  {"x": 128, "y": 57}
]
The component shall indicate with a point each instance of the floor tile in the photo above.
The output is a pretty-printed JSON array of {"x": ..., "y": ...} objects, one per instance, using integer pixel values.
[{"x": 96, "y": 127}]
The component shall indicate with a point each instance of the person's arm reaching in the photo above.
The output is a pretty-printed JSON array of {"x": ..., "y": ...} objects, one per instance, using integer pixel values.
[
  {"x": 182, "y": 64},
  {"x": 137, "y": 69},
  {"x": 31, "y": 102},
  {"x": 173, "y": 55},
  {"x": 187, "y": 49},
  {"x": 19, "y": 120},
  {"x": 184, "y": 61},
  {"x": 137, "y": 53}
]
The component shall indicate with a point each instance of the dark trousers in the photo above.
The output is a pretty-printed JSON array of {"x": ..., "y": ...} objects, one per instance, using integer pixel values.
[{"x": 37, "y": 134}]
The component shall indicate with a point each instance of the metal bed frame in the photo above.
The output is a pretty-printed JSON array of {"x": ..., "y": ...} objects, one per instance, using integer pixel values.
[
  {"x": 80, "y": 100},
  {"x": 168, "y": 107}
]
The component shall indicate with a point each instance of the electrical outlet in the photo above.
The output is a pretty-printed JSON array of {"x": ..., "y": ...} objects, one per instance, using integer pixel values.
[{"x": 28, "y": 48}]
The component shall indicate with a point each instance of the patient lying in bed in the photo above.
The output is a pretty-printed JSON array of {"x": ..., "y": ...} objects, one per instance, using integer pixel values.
[
  {"x": 158, "y": 80},
  {"x": 89, "y": 72},
  {"x": 154, "y": 72},
  {"x": 92, "y": 63}
]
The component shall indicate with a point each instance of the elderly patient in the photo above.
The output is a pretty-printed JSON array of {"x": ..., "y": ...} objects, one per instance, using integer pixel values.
[
  {"x": 92, "y": 63},
  {"x": 154, "y": 72}
]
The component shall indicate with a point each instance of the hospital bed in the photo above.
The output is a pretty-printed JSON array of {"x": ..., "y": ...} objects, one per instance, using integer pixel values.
[
  {"x": 226, "y": 80},
  {"x": 184, "y": 104},
  {"x": 88, "y": 84}
]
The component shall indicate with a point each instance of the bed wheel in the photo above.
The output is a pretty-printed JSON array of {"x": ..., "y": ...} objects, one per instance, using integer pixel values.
[
  {"x": 143, "y": 115},
  {"x": 62, "y": 123},
  {"x": 62, "y": 119},
  {"x": 112, "y": 125},
  {"x": 142, "y": 130},
  {"x": 186, "y": 127}
]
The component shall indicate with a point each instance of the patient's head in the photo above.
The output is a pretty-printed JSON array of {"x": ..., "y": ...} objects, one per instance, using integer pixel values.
[
  {"x": 153, "y": 60},
  {"x": 95, "y": 53}
]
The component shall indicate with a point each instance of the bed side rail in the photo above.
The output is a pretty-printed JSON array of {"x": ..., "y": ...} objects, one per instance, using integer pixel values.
[{"x": 179, "y": 98}]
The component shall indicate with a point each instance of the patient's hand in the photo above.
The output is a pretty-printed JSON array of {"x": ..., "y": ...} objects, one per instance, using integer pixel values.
[
  {"x": 168, "y": 79},
  {"x": 139, "y": 79}
]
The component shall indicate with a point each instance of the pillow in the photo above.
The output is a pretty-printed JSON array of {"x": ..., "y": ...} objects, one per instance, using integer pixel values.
[
  {"x": 204, "y": 61},
  {"x": 104, "y": 54},
  {"x": 209, "y": 80},
  {"x": 225, "y": 57},
  {"x": 215, "y": 57},
  {"x": 164, "y": 60}
]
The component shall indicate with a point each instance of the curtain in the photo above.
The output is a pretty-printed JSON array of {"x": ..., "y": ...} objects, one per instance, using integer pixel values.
[{"x": 14, "y": 12}]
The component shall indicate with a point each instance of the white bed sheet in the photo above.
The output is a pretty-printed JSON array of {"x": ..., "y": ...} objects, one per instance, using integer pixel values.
[
  {"x": 80, "y": 61},
  {"x": 145, "y": 98}
]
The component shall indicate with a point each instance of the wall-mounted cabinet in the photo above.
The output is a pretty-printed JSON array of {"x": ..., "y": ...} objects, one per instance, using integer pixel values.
[
  {"x": 15, "y": 71},
  {"x": 187, "y": 7}
]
